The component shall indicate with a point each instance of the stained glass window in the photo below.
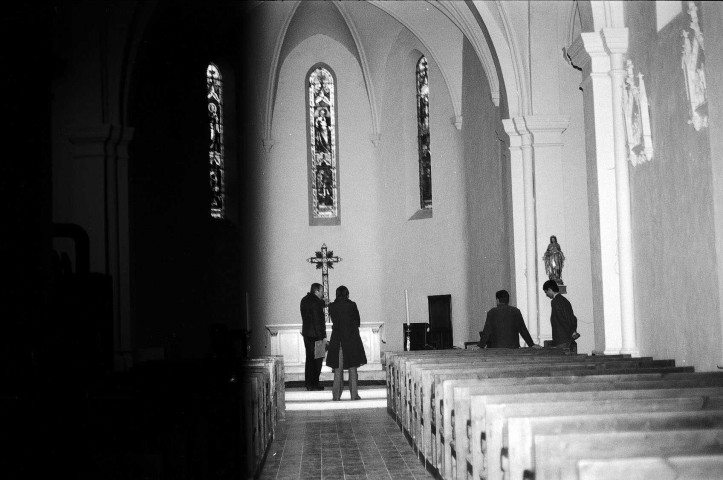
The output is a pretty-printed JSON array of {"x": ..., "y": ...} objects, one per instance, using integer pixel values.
[
  {"x": 214, "y": 88},
  {"x": 322, "y": 145},
  {"x": 425, "y": 158}
]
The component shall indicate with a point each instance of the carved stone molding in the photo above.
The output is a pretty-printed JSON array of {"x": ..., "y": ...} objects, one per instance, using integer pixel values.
[
  {"x": 376, "y": 139},
  {"x": 457, "y": 121},
  {"x": 268, "y": 144},
  {"x": 616, "y": 40},
  {"x": 546, "y": 130}
]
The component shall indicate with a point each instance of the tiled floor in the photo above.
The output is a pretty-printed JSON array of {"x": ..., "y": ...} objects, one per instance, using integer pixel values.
[{"x": 341, "y": 444}]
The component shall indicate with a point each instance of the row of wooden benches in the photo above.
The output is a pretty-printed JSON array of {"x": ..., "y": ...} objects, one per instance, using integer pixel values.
[
  {"x": 262, "y": 406},
  {"x": 545, "y": 413}
]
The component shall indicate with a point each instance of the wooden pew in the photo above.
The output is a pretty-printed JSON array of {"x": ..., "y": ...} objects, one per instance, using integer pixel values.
[
  {"x": 593, "y": 365},
  {"x": 444, "y": 383},
  {"x": 395, "y": 363},
  {"x": 411, "y": 373},
  {"x": 475, "y": 457},
  {"x": 517, "y": 452},
  {"x": 411, "y": 367},
  {"x": 261, "y": 381},
  {"x": 429, "y": 401},
  {"x": 419, "y": 372},
  {"x": 255, "y": 383},
  {"x": 685, "y": 467},
  {"x": 556, "y": 456},
  {"x": 431, "y": 376},
  {"x": 412, "y": 411},
  {"x": 414, "y": 371},
  {"x": 275, "y": 366}
]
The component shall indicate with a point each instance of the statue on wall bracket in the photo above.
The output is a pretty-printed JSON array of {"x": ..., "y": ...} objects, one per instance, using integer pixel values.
[
  {"x": 693, "y": 65},
  {"x": 554, "y": 260},
  {"x": 637, "y": 118}
]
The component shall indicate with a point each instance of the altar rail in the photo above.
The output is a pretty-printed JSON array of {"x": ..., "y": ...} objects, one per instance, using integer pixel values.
[{"x": 286, "y": 340}]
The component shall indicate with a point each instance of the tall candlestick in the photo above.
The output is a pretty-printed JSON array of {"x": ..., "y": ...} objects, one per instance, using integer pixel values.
[
  {"x": 406, "y": 301},
  {"x": 248, "y": 314}
]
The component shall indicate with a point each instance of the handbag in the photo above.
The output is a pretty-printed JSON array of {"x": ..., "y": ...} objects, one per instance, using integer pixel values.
[{"x": 320, "y": 348}]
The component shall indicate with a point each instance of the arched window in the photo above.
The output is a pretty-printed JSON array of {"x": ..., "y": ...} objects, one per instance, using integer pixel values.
[
  {"x": 323, "y": 162},
  {"x": 425, "y": 158},
  {"x": 214, "y": 87}
]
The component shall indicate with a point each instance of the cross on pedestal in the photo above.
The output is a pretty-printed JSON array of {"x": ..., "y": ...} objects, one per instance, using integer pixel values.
[{"x": 325, "y": 260}]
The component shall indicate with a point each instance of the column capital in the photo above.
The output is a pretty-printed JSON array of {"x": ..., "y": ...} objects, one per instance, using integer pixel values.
[
  {"x": 616, "y": 40},
  {"x": 546, "y": 129},
  {"x": 588, "y": 53},
  {"x": 509, "y": 128},
  {"x": 268, "y": 143},
  {"x": 509, "y": 125},
  {"x": 516, "y": 127}
]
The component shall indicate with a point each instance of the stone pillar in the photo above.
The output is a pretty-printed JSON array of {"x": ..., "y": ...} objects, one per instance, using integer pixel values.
[
  {"x": 588, "y": 53},
  {"x": 546, "y": 134},
  {"x": 523, "y": 222},
  {"x": 535, "y": 152},
  {"x": 100, "y": 187},
  {"x": 616, "y": 43}
]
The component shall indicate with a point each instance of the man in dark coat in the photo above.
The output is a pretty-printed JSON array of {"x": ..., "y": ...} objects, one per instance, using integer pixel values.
[
  {"x": 504, "y": 325},
  {"x": 313, "y": 328},
  {"x": 562, "y": 318},
  {"x": 346, "y": 350}
]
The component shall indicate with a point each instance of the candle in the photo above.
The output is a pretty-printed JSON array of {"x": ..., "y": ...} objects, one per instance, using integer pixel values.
[
  {"x": 248, "y": 314},
  {"x": 406, "y": 301}
]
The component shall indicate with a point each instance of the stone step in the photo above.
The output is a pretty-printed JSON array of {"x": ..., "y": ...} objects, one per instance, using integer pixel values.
[
  {"x": 364, "y": 375},
  {"x": 301, "y": 399}
]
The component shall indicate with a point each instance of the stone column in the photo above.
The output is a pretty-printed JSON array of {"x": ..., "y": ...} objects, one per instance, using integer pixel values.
[
  {"x": 100, "y": 181},
  {"x": 588, "y": 53},
  {"x": 616, "y": 43},
  {"x": 523, "y": 222},
  {"x": 546, "y": 134},
  {"x": 535, "y": 151}
]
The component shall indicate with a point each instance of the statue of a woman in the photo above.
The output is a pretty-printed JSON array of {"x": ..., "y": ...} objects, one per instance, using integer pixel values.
[{"x": 554, "y": 260}]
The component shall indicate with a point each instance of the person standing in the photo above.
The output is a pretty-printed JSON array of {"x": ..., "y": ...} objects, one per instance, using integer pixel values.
[
  {"x": 504, "y": 325},
  {"x": 562, "y": 318},
  {"x": 346, "y": 350},
  {"x": 313, "y": 328}
]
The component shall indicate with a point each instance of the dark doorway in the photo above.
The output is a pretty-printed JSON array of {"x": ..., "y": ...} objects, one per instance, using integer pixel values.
[{"x": 440, "y": 321}]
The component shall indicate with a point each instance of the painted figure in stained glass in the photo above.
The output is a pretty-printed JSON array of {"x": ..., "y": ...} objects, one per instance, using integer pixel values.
[
  {"x": 425, "y": 157},
  {"x": 214, "y": 97},
  {"x": 322, "y": 141},
  {"x": 322, "y": 131},
  {"x": 324, "y": 185}
]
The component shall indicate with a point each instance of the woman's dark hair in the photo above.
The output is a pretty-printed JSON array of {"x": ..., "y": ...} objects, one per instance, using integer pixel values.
[{"x": 342, "y": 292}]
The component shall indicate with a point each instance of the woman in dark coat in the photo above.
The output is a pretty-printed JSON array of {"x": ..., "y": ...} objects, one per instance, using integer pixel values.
[{"x": 346, "y": 350}]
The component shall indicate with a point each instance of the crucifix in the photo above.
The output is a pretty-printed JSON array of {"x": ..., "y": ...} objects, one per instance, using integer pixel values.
[{"x": 325, "y": 260}]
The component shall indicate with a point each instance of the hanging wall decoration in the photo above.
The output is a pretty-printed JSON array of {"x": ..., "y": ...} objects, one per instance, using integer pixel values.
[
  {"x": 693, "y": 65},
  {"x": 637, "y": 118}
]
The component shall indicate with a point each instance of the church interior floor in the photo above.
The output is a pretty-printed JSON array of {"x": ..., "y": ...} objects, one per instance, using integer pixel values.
[{"x": 341, "y": 444}]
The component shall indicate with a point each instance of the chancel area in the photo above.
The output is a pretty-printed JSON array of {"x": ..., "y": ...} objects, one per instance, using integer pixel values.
[{"x": 177, "y": 175}]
